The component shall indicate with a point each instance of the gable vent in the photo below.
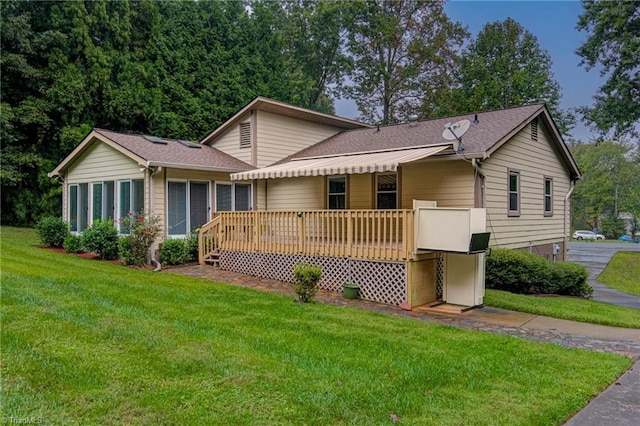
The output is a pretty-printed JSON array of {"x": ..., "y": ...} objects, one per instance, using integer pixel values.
[
  {"x": 245, "y": 135},
  {"x": 155, "y": 139},
  {"x": 534, "y": 129}
]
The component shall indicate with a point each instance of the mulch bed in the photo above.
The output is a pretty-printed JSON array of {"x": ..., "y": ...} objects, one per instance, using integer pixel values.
[{"x": 90, "y": 256}]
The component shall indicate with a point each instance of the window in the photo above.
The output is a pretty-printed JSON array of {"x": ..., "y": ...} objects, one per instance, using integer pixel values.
[
  {"x": 386, "y": 191},
  {"x": 78, "y": 207},
  {"x": 73, "y": 208},
  {"x": 233, "y": 197},
  {"x": 337, "y": 193},
  {"x": 102, "y": 200},
  {"x": 548, "y": 196},
  {"x": 514, "y": 193},
  {"x": 188, "y": 206},
  {"x": 130, "y": 199},
  {"x": 245, "y": 135}
]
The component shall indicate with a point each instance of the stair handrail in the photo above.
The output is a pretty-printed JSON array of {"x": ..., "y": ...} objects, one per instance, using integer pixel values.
[{"x": 208, "y": 239}]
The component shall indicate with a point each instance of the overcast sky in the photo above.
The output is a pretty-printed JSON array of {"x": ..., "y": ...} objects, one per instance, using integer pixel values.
[{"x": 554, "y": 25}]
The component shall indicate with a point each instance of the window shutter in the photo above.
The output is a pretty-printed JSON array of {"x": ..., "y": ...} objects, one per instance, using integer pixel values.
[{"x": 245, "y": 135}]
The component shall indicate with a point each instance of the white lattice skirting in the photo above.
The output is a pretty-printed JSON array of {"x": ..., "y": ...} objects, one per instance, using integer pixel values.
[{"x": 384, "y": 282}]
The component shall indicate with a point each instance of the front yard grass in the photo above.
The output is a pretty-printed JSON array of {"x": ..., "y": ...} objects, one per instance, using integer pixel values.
[
  {"x": 89, "y": 342},
  {"x": 623, "y": 272},
  {"x": 569, "y": 308}
]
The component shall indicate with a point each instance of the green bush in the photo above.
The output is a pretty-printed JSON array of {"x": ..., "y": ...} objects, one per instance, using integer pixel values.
[
  {"x": 52, "y": 231},
  {"x": 101, "y": 238},
  {"x": 73, "y": 244},
  {"x": 525, "y": 273},
  {"x": 307, "y": 278},
  {"x": 173, "y": 251},
  {"x": 516, "y": 271},
  {"x": 124, "y": 247},
  {"x": 191, "y": 247},
  {"x": 570, "y": 279}
]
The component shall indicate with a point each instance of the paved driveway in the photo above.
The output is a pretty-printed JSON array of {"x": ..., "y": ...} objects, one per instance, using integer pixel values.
[{"x": 596, "y": 256}]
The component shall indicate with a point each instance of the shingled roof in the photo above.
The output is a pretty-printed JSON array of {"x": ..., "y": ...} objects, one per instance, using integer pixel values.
[
  {"x": 487, "y": 132},
  {"x": 151, "y": 151},
  {"x": 490, "y": 128}
]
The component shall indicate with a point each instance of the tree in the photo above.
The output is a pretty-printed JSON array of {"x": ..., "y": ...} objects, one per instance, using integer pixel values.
[
  {"x": 614, "y": 44},
  {"x": 610, "y": 184},
  {"x": 504, "y": 67},
  {"x": 402, "y": 52}
]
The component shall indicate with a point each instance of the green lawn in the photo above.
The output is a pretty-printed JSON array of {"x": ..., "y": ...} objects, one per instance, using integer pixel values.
[
  {"x": 570, "y": 308},
  {"x": 623, "y": 272},
  {"x": 88, "y": 342}
]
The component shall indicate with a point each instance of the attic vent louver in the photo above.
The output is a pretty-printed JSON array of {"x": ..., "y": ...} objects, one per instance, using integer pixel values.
[
  {"x": 245, "y": 135},
  {"x": 190, "y": 144},
  {"x": 534, "y": 129},
  {"x": 155, "y": 139}
]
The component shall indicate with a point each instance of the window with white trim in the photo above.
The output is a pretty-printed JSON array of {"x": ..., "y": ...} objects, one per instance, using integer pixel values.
[
  {"x": 337, "y": 193},
  {"x": 233, "y": 196},
  {"x": 130, "y": 200},
  {"x": 387, "y": 191},
  {"x": 514, "y": 193},
  {"x": 188, "y": 206},
  {"x": 102, "y": 200},
  {"x": 548, "y": 196}
]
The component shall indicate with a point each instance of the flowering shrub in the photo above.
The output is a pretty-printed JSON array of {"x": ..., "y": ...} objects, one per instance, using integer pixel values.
[{"x": 143, "y": 231}]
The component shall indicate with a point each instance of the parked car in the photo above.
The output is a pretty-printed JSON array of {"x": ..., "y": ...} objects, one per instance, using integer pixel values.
[
  {"x": 626, "y": 238},
  {"x": 587, "y": 235}
]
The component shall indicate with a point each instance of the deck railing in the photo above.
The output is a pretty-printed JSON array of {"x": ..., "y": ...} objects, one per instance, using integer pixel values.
[{"x": 366, "y": 234}]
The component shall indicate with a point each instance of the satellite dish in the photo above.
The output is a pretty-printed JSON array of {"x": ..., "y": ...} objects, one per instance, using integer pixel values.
[{"x": 454, "y": 131}]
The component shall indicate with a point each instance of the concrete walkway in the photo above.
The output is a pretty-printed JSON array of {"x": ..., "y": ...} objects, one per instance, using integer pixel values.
[{"x": 595, "y": 257}]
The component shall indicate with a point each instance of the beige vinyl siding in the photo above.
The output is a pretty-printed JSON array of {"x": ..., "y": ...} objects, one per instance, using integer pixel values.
[
  {"x": 102, "y": 163},
  {"x": 449, "y": 183},
  {"x": 229, "y": 142},
  {"x": 261, "y": 191},
  {"x": 279, "y": 137},
  {"x": 534, "y": 160},
  {"x": 306, "y": 193},
  {"x": 360, "y": 192}
]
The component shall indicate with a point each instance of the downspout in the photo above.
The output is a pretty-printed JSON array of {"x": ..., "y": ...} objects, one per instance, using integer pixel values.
[
  {"x": 564, "y": 222},
  {"x": 152, "y": 249},
  {"x": 476, "y": 165}
]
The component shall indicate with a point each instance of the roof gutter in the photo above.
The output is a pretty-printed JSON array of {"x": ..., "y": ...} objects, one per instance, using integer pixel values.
[{"x": 192, "y": 167}]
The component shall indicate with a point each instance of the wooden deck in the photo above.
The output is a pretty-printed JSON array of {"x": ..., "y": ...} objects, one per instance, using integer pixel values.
[{"x": 385, "y": 235}]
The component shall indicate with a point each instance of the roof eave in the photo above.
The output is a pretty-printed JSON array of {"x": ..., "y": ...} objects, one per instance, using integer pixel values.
[{"x": 196, "y": 167}]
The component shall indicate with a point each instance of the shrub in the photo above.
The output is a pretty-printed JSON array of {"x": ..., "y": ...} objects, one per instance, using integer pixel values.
[
  {"x": 73, "y": 244},
  {"x": 307, "y": 278},
  {"x": 125, "y": 250},
  {"x": 521, "y": 272},
  {"x": 516, "y": 271},
  {"x": 142, "y": 232},
  {"x": 172, "y": 251},
  {"x": 52, "y": 231},
  {"x": 191, "y": 247},
  {"x": 570, "y": 279},
  {"x": 101, "y": 238}
]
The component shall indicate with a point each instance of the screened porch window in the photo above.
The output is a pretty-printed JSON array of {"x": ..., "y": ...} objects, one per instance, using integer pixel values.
[
  {"x": 233, "y": 197},
  {"x": 102, "y": 200},
  {"x": 387, "y": 191},
  {"x": 188, "y": 206},
  {"x": 130, "y": 199},
  {"x": 337, "y": 193}
]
